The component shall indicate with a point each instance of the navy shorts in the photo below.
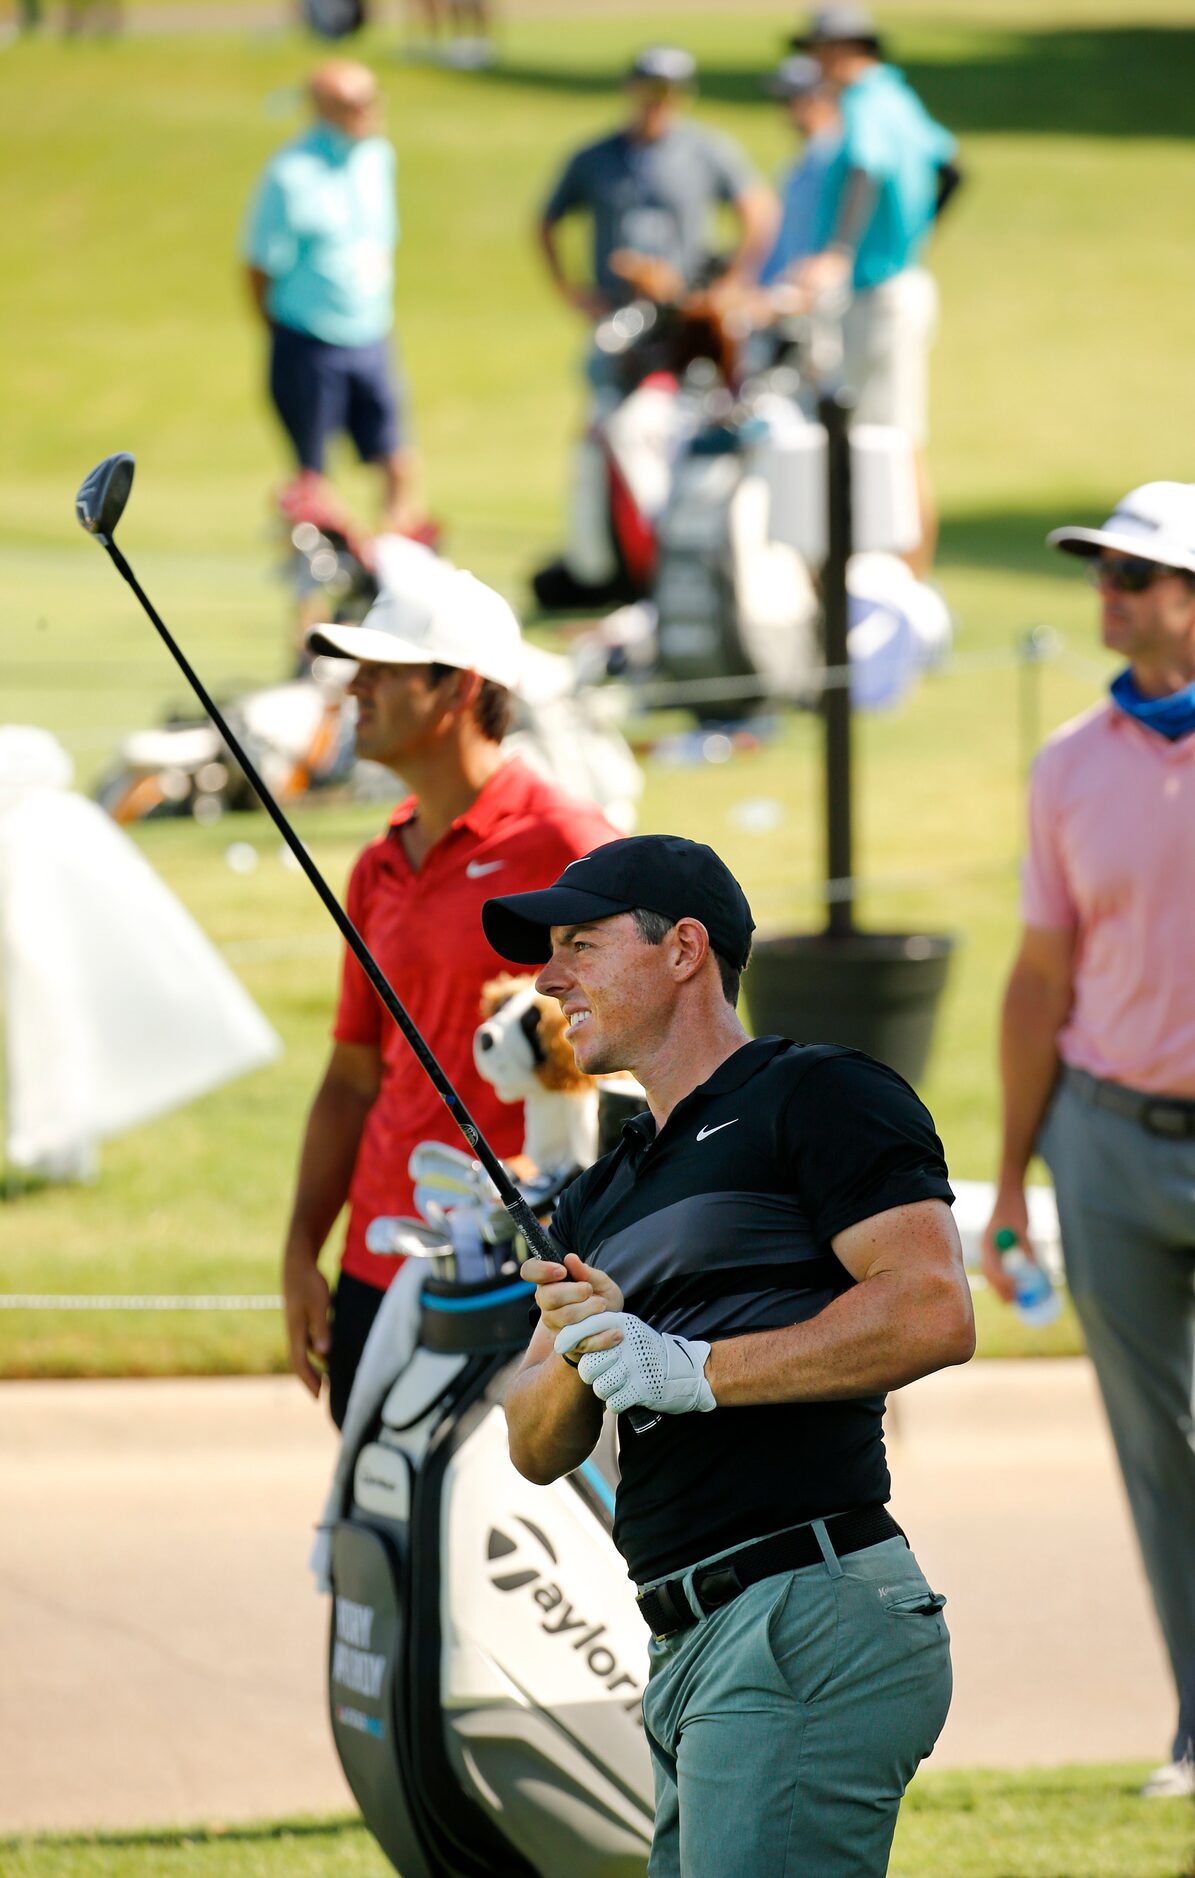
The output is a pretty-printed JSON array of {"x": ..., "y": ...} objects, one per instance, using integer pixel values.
[
  {"x": 320, "y": 390},
  {"x": 354, "y": 1307}
]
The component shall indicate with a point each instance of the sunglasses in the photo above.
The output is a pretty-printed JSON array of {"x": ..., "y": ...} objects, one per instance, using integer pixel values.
[{"x": 1130, "y": 575}]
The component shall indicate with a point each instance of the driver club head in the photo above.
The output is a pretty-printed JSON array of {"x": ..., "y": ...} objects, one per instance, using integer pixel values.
[{"x": 101, "y": 500}]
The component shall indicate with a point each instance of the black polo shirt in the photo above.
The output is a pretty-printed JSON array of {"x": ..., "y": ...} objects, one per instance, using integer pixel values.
[{"x": 720, "y": 1225}]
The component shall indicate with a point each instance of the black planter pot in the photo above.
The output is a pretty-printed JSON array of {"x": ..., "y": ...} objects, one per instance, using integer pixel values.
[{"x": 875, "y": 991}]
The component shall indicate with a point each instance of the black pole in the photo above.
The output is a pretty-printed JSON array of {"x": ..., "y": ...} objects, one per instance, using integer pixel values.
[{"x": 834, "y": 411}]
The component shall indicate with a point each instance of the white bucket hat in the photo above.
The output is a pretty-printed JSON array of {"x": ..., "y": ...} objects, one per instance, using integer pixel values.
[
  {"x": 1155, "y": 522},
  {"x": 447, "y": 617}
]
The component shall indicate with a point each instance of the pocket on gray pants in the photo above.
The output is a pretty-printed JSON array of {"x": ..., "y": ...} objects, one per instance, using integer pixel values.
[{"x": 802, "y": 1632}]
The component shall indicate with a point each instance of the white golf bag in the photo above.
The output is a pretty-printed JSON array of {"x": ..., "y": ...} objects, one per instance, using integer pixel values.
[
  {"x": 486, "y": 1660},
  {"x": 731, "y": 602}
]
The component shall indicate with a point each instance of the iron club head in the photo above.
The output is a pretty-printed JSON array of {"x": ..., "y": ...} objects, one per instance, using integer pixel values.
[{"x": 100, "y": 502}]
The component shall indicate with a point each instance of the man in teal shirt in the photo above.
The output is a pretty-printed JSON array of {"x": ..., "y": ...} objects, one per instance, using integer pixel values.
[
  {"x": 887, "y": 183},
  {"x": 319, "y": 250}
]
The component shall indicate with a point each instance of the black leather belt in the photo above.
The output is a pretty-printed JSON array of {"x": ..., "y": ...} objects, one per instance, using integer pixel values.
[
  {"x": 1171, "y": 1116},
  {"x": 666, "y": 1609}
]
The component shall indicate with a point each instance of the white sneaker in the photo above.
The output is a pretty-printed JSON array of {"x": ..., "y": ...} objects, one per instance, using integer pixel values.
[{"x": 1174, "y": 1781}]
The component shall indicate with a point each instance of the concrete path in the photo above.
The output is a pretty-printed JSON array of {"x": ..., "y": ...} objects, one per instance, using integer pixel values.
[{"x": 163, "y": 1649}]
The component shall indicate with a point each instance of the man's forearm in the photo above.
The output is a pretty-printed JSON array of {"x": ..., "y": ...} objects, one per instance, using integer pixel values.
[
  {"x": 885, "y": 1332},
  {"x": 553, "y": 1420},
  {"x": 1034, "y": 1013}
]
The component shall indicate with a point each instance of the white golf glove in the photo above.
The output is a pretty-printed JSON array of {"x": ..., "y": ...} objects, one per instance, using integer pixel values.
[{"x": 648, "y": 1369}]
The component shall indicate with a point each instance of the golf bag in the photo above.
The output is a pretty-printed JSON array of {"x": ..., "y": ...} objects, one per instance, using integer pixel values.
[
  {"x": 297, "y": 733},
  {"x": 619, "y": 480},
  {"x": 730, "y": 602},
  {"x": 654, "y": 362},
  {"x": 734, "y": 611},
  {"x": 486, "y": 1658}
]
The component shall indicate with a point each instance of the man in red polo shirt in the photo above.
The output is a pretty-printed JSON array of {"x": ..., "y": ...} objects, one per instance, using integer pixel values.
[{"x": 432, "y": 687}]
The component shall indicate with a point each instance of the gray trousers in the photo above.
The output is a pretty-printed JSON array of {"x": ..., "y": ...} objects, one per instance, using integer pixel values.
[
  {"x": 1126, "y": 1207},
  {"x": 785, "y": 1727}
]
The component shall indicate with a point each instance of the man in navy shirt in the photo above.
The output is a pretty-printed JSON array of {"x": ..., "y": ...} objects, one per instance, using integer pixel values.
[
  {"x": 651, "y": 188},
  {"x": 766, "y": 1252}
]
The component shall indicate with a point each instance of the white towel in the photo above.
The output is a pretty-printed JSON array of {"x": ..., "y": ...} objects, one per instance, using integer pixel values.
[{"x": 388, "y": 1349}]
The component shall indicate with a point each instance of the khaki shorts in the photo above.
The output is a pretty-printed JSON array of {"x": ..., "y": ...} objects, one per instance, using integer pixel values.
[{"x": 887, "y": 333}]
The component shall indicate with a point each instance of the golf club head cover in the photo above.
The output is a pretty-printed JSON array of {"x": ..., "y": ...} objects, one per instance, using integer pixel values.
[{"x": 648, "y": 1369}]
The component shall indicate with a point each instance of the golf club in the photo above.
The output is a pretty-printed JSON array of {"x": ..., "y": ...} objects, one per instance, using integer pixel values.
[{"x": 99, "y": 506}]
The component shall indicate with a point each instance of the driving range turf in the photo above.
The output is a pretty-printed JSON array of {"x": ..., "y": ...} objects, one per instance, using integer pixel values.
[
  {"x": 1061, "y": 378},
  {"x": 1070, "y": 1822}
]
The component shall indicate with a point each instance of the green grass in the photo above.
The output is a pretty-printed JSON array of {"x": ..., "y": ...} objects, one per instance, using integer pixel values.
[
  {"x": 1065, "y": 1823},
  {"x": 1061, "y": 378},
  {"x": 298, "y": 1849},
  {"x": 1069, "y": 1822}
]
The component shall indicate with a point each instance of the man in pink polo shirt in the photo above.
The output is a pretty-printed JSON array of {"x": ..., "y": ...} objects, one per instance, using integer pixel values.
[{"x": 1097, "y": 1049}]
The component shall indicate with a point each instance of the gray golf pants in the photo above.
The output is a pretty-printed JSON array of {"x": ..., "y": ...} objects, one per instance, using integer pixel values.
[
  {"x": 785, "y": 1727},
  {"x": 1126, "y": 1206}
]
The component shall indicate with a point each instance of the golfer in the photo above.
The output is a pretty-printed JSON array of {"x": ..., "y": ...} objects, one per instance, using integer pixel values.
[
  {"x": 433, "y": 681},
  {"x": 765, "y": 1253}
]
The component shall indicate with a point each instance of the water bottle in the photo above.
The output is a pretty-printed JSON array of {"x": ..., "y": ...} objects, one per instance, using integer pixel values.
[{"x": 1036, "y": 1299}]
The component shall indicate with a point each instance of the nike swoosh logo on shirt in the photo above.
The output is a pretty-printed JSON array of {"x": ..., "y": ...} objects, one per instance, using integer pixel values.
[
  {"x": 475, "y": 869},
  {"x": 703, "y": 1132}
]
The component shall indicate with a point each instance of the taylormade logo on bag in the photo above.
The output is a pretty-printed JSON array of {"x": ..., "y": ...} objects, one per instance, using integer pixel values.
[{"x": 561, "y": 1618}]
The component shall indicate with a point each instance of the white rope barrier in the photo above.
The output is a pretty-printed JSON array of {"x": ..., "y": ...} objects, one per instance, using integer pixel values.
[
  {"x": 666, "y": 691},
  {"x": 646, "y": 691},
  {"x": 116, "y": 1301}
]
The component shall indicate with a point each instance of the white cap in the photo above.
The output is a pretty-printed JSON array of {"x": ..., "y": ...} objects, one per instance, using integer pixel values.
[
  {"x": 452, "y": 619},
  {"x": 1155, "y": 522},
  {"x": 663, "y": 65}
]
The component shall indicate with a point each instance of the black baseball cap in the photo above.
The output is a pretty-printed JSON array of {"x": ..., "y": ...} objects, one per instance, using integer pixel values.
[{"x": 661, "y": 873}]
